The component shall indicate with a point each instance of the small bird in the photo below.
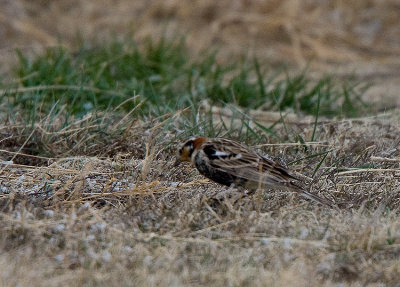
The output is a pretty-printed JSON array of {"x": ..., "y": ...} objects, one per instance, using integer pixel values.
[{"x": 232, "y": 164}]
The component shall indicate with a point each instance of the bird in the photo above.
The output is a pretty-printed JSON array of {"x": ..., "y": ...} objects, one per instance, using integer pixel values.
[{"x": 233, "y": 164}]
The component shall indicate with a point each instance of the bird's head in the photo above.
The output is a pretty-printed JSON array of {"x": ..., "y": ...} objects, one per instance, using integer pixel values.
[{"x": 188, "y": 147}]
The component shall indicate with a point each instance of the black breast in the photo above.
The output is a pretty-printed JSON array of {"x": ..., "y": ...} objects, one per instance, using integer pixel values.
[{"x": 206, "y": 169}]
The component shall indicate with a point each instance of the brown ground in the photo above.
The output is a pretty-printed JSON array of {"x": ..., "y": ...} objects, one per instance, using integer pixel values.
[{"x": 163, "y": 232}]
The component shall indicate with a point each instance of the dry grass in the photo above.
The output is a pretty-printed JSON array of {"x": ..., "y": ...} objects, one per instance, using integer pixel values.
[
  {"x": 334, "y": 30},
  {"x": 109, "y": 208},
  {"x": 104, "y": 221}
]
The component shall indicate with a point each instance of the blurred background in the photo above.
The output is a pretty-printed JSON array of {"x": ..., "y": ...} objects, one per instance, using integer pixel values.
[{"x": 359, "y": 38}]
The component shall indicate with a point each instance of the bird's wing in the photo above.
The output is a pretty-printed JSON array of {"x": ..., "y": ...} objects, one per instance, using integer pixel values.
[{"x": 235, "y": 159}]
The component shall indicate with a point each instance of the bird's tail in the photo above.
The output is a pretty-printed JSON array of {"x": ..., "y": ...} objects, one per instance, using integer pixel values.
[
  {"x": 316, "y": 198},
  {"x": 300, "y": 188}
]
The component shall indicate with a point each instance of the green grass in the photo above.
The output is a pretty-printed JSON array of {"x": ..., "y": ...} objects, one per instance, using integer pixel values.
[
  {"x": 162, "y": 74},
  {"x": 123, "y": 81}
]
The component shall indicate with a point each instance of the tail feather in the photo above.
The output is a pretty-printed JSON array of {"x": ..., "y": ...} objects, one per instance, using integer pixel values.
[
  {"x": 316, "y": 198},
  {"x": 300, "y": 187}
]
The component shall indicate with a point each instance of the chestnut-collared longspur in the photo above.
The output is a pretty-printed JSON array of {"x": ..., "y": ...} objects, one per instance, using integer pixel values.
[{"x": 232, "y": 164}]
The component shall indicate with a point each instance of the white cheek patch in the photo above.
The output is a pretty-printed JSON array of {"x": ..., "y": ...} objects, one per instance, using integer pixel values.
[{"x": 238, "y": 156}]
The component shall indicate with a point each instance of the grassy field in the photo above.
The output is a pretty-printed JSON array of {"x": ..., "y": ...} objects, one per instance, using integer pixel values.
[{"x": 90, "y": 196}]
